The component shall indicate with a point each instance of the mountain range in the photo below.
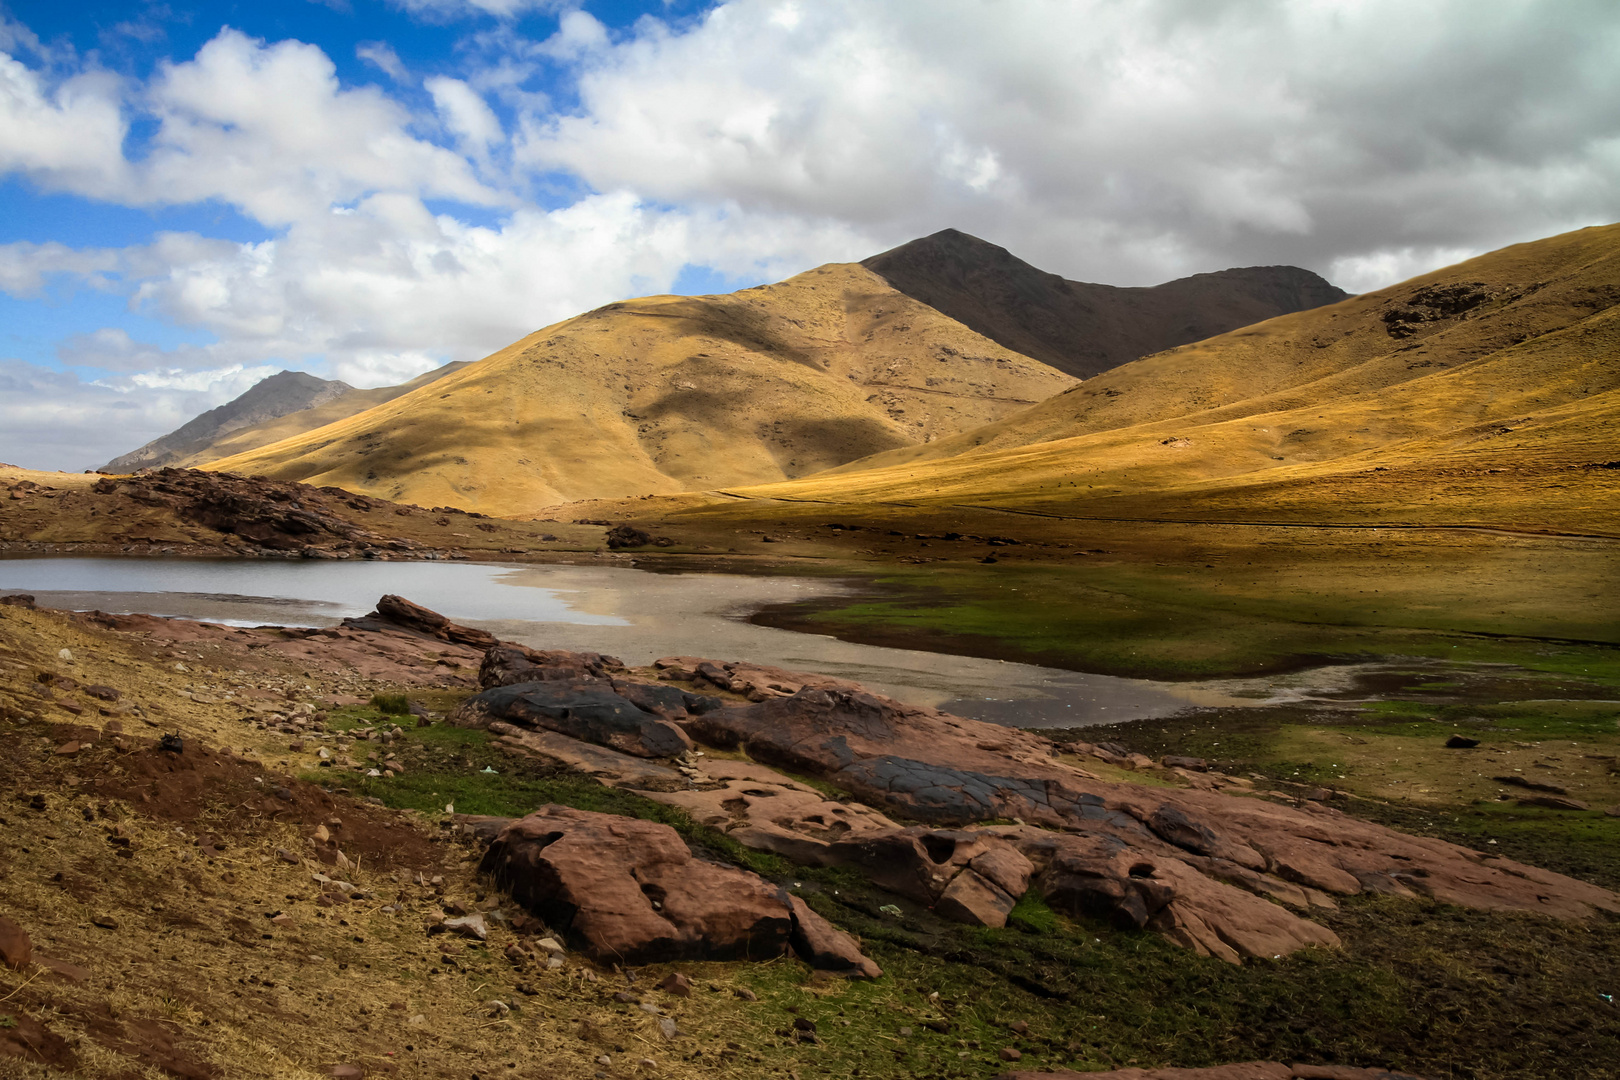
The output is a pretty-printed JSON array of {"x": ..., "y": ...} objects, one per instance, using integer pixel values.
[{"x": 922, "y": 344}]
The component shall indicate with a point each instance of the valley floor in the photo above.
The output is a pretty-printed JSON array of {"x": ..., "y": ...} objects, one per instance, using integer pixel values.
[{"x": 180, "y": 902}]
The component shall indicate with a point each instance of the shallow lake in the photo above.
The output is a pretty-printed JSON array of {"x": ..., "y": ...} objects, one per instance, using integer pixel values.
[{"x": 633, "y": 614}]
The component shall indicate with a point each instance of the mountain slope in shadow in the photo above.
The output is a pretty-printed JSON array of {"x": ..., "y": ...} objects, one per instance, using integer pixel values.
[{"x": 1081, "y": 328}]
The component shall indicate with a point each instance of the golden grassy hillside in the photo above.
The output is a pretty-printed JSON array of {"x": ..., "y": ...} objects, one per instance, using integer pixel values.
[
  {"x": 1485, "y": 393},
  {"x": 668, "y": 394}
]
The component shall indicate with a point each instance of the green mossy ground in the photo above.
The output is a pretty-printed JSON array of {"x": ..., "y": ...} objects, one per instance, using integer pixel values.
[{"x": 1177, "y": 623}]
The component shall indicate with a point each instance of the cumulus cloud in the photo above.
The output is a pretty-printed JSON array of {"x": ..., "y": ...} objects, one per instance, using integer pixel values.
[
  {"x": 1121, "y": 142},
  {"x": 444, "y": 217},
  {"x": 67, "y": 136},
  {"x": 57, "y": 420}
]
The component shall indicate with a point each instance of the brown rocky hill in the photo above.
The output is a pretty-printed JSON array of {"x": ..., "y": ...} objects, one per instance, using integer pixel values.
[
  {"x": 1081, "y": 328},
  {"x": 286, "y": 403},
  {"x": 668, "y": 394},
  {"x": 1483, "y": 393}
]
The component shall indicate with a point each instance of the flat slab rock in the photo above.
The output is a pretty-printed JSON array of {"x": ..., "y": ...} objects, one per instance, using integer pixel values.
[
  {"x": 1201, "y": 866},
  {"x": 1248, "y": 1070},
  {"x": 631, "y": 891},
  {"x": 590, "y": 711}
]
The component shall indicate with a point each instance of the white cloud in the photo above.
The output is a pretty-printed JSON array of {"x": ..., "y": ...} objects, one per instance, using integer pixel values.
[
  {"x": 502, "y": 9},
  {"x": 67, "y": 137},
  {"x": 382, "y": 56},
  {"x": 465, "y": 114},
  {"x": 56, "y": 420},
  {"x": 267, "y": 128},
  {"x": 1125, "y": 142},
  {"x": 26, "y": 267}
]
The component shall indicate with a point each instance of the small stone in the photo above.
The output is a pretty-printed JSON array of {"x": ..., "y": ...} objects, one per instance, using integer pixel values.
[
  {"x": 649, "y": 1007},
  {"x": 106, "y": 922},
  {"x": 65, "y": 654},
  {"x": 287, "y": 857},
  {"x": 745, "y": 993},
  {"x": 345, "y": 1072},
  {"x": 803, "y": 1023},
  {"x": 904, "y": 1033},
  {"x": 551, "y": 945},
  {"x": 1008, "y": 1053},
  {"x": 554, "y": 962},
  {"x": 1613, "y": 811},
  {"x": 647, "y": 1065},
  {"x": 1018, "y": 1027},
  {"x": 417, "y": 1021},
  {"x": 321, "y": 835},
  {"x": 667, "y": 1028},
  {"x": 67, "y": 749},
  {"x": 624, "y": 997},
  {"x": 677, "y": 984},
  {"x": 1461, "y": 742},
  {"x": 283, "y": 921},
  {"x": 604, "y": 1060},
  {"x": 472, "y": 926}
]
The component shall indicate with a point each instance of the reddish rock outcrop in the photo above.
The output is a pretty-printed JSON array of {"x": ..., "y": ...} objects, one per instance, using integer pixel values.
[
  {"x": 1201, "y": 866},
  {"x": 765, "y": 810},
  {"x": 398, "y": 611},
  {"x": 630, "y": 891}
]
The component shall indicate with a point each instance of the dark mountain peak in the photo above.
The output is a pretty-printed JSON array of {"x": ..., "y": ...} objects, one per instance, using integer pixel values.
[
  {"x": 950, "y": 252},
  {"x": 1081, "y": 328}
]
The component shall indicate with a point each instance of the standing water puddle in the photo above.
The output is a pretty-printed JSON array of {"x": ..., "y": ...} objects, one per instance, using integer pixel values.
[{"x": 633, "y": 614}]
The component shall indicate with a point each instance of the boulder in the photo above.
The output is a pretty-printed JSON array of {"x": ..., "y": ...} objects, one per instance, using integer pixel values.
[
  {"x": 623, "y": 536},
  {"x": 608, "y": 767},
  {"x": 401, "y": 612},
  {"x": 822, "y": 945},
  {"x": 630, "y": 891},
  {"x": 589, "y": 711},
  {"x": 507, "y": 663},
  {"x": 670, "y": 702}
]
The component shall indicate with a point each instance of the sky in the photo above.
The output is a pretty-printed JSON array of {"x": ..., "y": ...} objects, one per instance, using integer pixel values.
[{"x": 195, "y": 195}]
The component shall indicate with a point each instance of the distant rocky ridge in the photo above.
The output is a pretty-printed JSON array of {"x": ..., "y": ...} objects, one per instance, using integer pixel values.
[
  {"x": 286, "y": 403},
  {"x": 269, "y": 399},
  {"x": 1080, "y": 328}
]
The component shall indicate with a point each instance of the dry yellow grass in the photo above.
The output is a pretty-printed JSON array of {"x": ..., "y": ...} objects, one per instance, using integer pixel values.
[
  {"x": 1503, "y": 416},
  {"x": 668, "y": 394}
]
